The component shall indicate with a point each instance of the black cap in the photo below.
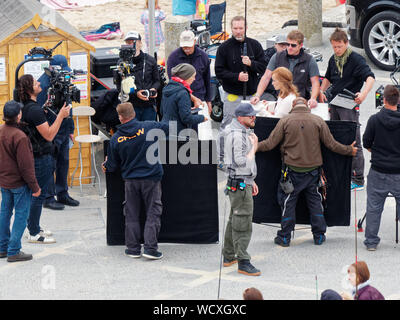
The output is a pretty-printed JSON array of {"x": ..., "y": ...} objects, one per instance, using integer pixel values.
[
  {"x": 245, "y": 109},
  {"x": 330, "y": 295},
  {"x": 12, "y": 109}
]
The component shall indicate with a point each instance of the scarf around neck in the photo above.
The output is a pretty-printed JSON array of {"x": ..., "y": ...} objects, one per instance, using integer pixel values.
[
  {"x": 341, "y": 61},
  {"x": 183, "y": 82}
]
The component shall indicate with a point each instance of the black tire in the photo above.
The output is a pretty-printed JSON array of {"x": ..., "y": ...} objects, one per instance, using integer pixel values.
[
  {"x": 383, "y": 49},
  {"x": 217, "y": 112}
]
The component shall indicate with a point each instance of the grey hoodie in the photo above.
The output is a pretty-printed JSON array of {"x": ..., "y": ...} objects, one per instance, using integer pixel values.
[{"x": 236, "y": 145}]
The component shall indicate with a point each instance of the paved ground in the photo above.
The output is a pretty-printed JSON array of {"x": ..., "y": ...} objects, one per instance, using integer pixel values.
[{"x": 81, "y": 265}]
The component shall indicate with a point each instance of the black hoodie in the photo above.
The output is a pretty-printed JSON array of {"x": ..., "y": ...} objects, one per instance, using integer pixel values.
[{"x": 382, "y": 136}]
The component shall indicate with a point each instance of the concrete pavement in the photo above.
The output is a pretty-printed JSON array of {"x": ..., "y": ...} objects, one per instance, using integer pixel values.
[{"x": 81, "y": 265}]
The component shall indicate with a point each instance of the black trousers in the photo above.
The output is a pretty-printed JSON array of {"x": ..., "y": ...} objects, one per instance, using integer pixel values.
[
  {"x": 146, "y": 193},
  {"x": 357, "y": 167},
  {"x": 307, "y": 182}
]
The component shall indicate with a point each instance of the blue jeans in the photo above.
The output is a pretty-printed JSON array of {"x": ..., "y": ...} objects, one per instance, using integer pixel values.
[
  {"x": 378, "y": 188},
  {"x": 20, "y": 199},
  {"x": 44, "y": 168},
  {"x": 147, "y": 113},
  {"x": 60, "y": 187}
]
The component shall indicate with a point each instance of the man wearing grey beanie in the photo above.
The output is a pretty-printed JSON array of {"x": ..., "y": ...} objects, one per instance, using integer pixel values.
[{"x": 176, "y": 102}]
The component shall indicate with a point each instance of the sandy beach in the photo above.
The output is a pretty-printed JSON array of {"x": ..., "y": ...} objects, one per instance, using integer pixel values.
[{"x": 263, "y": 16}]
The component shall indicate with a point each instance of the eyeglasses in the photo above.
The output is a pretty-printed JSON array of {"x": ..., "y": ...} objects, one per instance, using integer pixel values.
[{"x": 293, "y": 45}]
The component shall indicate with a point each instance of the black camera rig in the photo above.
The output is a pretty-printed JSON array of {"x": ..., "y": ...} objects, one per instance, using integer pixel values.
[
  {"x": 123, "y": 72},
  {"x": 35, "y": 54},
  {"x": 379, "y": 91},
  {"x": 61, "y": 89}
]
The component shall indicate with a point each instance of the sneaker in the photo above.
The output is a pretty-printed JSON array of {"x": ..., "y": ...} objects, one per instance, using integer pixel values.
[
  {"x": 20, "y": 257},
  {"x": 3, "y": 255},
  {"x": 318, "y": 240},
  {"x": 355, "y": 186},
  {"x": 371, "y": 248},
  {"x": 40, "y": 239},
  {"x": 152, "y": 254},
  {"x": 229, "y": 262},
  {"x": 245, "y": 267},
  {"x": 133, "y": 254},
  {"x": 282, "y": 242},
  {"x": 45, "y": 233}
]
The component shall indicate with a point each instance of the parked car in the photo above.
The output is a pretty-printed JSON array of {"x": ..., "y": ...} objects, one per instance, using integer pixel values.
[{"x": 375, "y": 26}]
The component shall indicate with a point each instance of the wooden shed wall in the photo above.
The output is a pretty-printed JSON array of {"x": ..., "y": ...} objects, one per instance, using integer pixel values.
[{"x": 15, "y": 52}]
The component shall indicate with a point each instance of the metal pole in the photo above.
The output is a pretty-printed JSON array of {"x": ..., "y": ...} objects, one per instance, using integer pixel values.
[{"x": 152, "y": 27}]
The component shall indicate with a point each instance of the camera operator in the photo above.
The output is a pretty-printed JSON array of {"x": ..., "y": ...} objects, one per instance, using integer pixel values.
[
  {"x": 41, "y": 135},
  {"x": 61, "y": 141},
  {"x": 147, "y": 80}
]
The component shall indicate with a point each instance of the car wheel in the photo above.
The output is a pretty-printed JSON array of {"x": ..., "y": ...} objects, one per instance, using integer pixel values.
[
  {"x": 381, "y": 39},
  {"x": 217, "y": 112}
]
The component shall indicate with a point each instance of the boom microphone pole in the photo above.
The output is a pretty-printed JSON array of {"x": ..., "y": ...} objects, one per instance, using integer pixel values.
[{"x": 245, "y": 47}]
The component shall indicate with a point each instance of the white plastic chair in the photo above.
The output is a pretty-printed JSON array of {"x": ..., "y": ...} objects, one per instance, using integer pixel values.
[{"x": 86, "y": 111}]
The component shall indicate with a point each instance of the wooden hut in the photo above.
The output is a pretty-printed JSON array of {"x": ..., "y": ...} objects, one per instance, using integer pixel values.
[{"x": 25, "y": 24}]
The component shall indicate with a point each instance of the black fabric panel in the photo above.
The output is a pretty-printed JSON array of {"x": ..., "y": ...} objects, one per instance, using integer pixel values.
[
  {"x": 337, "y": 170},
  {"x": 189, "y": 197}
]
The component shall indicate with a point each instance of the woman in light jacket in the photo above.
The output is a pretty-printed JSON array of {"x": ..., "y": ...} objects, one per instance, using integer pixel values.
[{"x": 282, "y": 80}]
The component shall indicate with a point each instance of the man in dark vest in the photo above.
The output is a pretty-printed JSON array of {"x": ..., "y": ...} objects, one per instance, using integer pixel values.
[{"x": 301, "y": 64}]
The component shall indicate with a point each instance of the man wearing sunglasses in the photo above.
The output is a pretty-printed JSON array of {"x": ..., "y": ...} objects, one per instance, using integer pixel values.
[
  {"x": 240, "y": 146},
  {"x": 301, "y": 64}
]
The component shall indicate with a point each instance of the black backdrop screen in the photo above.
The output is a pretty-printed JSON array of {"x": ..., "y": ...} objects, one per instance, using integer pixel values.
[
  {"x": 337, "y": 170},
  {"x": 190, "y": 191}
]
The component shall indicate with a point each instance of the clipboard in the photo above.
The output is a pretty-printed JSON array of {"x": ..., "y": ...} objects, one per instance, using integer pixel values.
[{"x": 344, "y": 101}]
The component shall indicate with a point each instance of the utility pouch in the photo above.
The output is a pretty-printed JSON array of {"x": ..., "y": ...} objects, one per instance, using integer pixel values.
[
  {"x": 234, "y": 184},
  {"x": 285, "y": 182}
]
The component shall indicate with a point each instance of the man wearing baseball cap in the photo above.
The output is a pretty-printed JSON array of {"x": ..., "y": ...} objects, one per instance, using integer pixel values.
[
  {"x": 270, "y": 94},
  {"x": 240, "y": 146},
  {"x": 190, "y": 53},
  {"x": 17, "y": 182},
  {"x": 147, "y": 80}
]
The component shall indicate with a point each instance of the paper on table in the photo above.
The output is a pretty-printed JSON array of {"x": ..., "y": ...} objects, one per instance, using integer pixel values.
[
  {"x": 322, "y": 110},
  {"x": 204, "y": 128}
]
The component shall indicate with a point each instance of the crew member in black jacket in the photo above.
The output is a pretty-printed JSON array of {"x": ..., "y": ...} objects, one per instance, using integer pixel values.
[
  {"x": 147, "y": 77},
  {"x": 382, "y": 139},
  {"x": 348, "y": 70},
  {"x": 236, "y": 69}
]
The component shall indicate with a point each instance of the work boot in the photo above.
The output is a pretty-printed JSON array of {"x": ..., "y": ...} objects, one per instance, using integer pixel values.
[
  {"x": 282, "y": 242},
  {"x": 245, "y": 267},
  {"x": 318, "y": 240},
  {"x": 229, "y": 262}
]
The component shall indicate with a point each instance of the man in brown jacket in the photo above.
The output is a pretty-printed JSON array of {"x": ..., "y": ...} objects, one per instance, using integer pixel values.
[
  {"x": 301, "y": 134},
  {"x": 17, "y": 182}
]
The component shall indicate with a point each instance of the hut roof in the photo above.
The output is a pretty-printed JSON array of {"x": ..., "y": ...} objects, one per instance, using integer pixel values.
[{"x": 16, "y": 14}]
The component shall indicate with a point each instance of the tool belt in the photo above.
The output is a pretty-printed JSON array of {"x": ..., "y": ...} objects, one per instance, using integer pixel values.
[
  {"x": 234, "y": 184},
  {"x": 285, "y": 181}
]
